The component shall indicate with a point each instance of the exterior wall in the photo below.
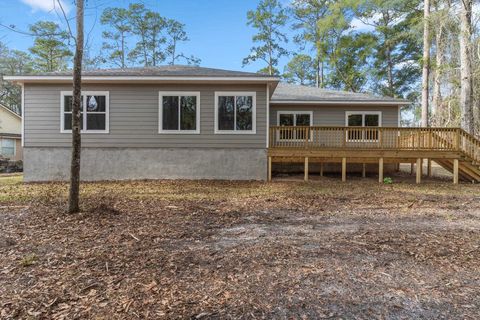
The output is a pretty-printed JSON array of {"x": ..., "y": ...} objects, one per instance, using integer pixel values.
[
  {"x": 334, "y": 115},
  {"x": 46, "y": 164},
  {"x": 9, "y": 123},
  {"x": 134, "y": 110}
]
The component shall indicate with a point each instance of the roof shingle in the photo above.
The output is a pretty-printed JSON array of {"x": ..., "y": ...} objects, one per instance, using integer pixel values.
[
  {"x": 160, "y": 71},
  {"x": 291, "y": 92}
]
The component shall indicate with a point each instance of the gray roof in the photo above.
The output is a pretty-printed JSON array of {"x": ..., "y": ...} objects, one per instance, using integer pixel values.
[
  {"x": 159, "y": 71},
  {"x": 286, "y": 92}
]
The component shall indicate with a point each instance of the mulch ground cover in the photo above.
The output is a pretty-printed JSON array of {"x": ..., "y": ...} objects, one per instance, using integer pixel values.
[{"x": 241, "y": 250}]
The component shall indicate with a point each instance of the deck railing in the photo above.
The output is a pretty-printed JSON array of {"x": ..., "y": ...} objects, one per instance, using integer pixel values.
[{"x": 391, "y": 138}]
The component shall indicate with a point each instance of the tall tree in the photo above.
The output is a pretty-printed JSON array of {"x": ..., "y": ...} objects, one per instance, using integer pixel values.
[
  {"x": 306, "y": 14},
  {"x": 49, "y": 49},
  {"x": 425, "y": 62},
  {"x": 13, "y": 62},
  {"x": 396, "y": 57},
  {"x": 269, "y": 18},
  {"x": 74, "y": 194},
  {"x": 117, "y": 19},
  {"x": 466, "y": 85},
  {"x": 350, "y": 62},
  {"x": 149, "y": 28},
  {"x": 137, "y": 13},
  {"x": 176, "y": 34},
  {"x": 301, "y": 70}
]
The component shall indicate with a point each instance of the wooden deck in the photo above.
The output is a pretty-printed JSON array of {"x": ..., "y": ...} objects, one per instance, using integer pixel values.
[{"x": 452, "y": 148}]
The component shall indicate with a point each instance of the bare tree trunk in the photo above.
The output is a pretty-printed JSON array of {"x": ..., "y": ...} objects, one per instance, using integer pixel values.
[
  {"x": 466, "y": 85},
  {"x": 74, "y": 195},
  {"x": 391, "y": 89},
  {"x": 437, "y": 94},
  {"x": 426, "y": 61}
]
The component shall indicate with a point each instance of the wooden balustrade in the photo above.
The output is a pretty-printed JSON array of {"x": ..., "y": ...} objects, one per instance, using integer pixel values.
[{"x": 385, "y": 138}]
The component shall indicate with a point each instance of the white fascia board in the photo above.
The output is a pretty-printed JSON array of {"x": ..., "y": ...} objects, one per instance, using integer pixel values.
[{"x": 138, "y": 78}]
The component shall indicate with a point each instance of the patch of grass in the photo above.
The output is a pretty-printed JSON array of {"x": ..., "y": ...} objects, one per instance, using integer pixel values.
[
  {"x": 29, "y": 260},
  {"x": 11, "y": 179}
]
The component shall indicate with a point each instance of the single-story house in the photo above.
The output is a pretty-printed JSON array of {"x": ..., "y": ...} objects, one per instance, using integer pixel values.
[
  {"x": 10, "y": 134},
  {"x": 187, "y": 122}
]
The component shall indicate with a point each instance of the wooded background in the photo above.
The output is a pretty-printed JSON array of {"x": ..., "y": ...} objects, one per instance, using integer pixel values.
[{"x": 411, "y": 48}]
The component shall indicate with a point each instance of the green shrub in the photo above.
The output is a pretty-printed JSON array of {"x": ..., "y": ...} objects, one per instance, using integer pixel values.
[{"x": 388, "y": 180}]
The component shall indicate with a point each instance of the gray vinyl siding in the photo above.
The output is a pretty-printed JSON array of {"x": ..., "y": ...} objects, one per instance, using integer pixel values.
[
  {"x": 134, "y": 117},
  {"x": 334, "y": 115}
]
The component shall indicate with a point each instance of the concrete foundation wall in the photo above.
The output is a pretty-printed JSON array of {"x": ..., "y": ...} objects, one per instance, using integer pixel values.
[{"x": 53, "y": 164}]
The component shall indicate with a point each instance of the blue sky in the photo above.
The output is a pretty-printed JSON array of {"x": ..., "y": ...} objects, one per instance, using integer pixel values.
[{"x": 217, "y": 29}]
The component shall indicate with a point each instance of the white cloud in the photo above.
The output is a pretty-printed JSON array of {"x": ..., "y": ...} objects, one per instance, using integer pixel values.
[
  {"x": 359, "y": 25},
  {"x": 46, "y": 5}
]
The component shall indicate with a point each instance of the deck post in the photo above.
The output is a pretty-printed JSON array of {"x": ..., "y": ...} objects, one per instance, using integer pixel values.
[
  {"x": 269, "y": 168},
  {"x": 429, "y": 168},
  {"x": 321, "y": 169},
  {"x": 344, "y": 169},
  {"x": 380, "y": 170},
  {"x": 306, "y": 169},
  {"x": 419, "y": 170},
  {"x": 455, "y": 171},
  {"x": 364, "y": 170}
]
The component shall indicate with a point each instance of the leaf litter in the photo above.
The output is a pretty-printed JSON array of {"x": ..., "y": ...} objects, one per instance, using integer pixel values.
[{"x": 240, "y": 250}]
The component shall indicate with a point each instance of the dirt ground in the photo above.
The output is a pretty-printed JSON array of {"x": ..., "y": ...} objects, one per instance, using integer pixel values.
[{"x": 241, "y": 250}]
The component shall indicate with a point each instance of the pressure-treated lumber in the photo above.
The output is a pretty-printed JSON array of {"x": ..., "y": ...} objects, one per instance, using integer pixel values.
[
  {"x": 306, "y": 169},
  {"x": 380, "y": 170},
  {"x": 419, "y": 170},
  {"x": 269, "y": 168},
  {"x": 455, "y": 171}
]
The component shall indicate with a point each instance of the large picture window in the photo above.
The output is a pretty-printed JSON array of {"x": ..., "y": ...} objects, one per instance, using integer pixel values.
[
  {"x": 235, "y": 112},
  {"x": 94, "y": 109},
  {"x": 179, "y": 112},
  {"x": 363, "y": 119},
  {"x": 294, "y": 119}
]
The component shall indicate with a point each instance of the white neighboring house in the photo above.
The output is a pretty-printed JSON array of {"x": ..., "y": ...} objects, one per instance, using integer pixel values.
[{"x": 10, "y": 134}]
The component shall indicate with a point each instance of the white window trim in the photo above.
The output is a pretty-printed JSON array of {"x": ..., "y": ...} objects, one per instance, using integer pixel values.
[
  {"x": 161, "y": 94},
  {"x": 363, "y": 113},
  {"x": 85, "y": 94},
  {"x": 235, "y": 94},
  {"x": 295, "y": 113},
  {"x": 14, "y": 146}
]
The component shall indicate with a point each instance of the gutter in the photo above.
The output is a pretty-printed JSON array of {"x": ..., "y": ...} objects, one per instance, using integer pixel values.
[
  {"x": 340, "y": 102},
  {"x": 30, "y": 79}
]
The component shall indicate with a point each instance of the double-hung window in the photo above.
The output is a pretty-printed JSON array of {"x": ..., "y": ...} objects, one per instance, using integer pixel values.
[
  {"x": 94, "y": 110},
  {"x": 294, "y": 119},
  {"x": 7, "y": 147},
  {"x": 367, "y": 119},
  {"x": 235, "y": 112},
  {"x": 179, "y": 112}
]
